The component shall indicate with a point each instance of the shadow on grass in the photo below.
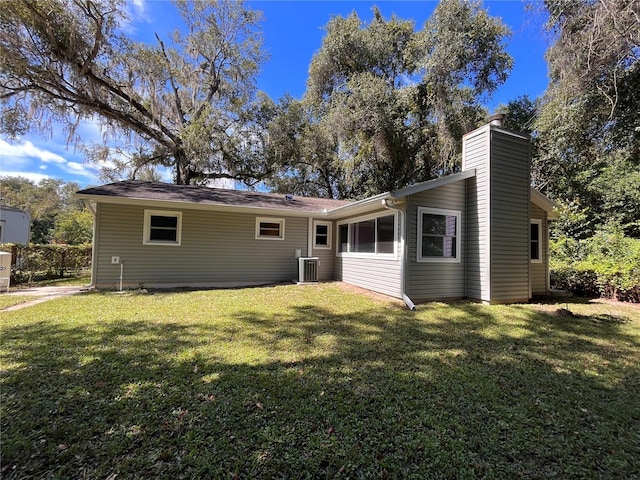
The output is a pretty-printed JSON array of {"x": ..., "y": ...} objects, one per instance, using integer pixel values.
[{"x": 312, "y": 391}]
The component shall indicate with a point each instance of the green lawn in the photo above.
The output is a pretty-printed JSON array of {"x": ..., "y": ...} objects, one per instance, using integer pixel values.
[
  {"x": 10, "y": 300},
  {"x": 316, "y": 382},
  {"x": 70, "y": 281}
]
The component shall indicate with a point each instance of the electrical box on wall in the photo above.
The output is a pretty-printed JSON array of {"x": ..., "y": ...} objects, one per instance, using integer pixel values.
[{"x": 115, "y": 260}]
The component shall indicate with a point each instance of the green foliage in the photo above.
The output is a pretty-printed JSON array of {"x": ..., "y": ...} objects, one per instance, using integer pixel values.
[
  {"x": 48, "y": 201},
  {"x": 186, "y": 102},
  {"x": 608, "y": 264},
  {"x": 74, "y": 227},
  {"x": 615, "y": 193},
  {"x": 587, "y": 121},
  {"x": 386, "y": 105},
  {"x": 35, "y": 262},
  {"x": 316, "y": 383}
]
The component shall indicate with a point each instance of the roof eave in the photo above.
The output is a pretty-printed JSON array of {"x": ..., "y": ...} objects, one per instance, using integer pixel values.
[
  {"x": 437, "y": 182},
  {"x": 545, "y": 203},
  {"x": 375, "y": 202},
  {"x": 175, "y": 204}
]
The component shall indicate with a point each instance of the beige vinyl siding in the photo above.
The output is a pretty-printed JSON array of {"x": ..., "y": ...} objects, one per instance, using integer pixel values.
[
  {"x": 217, "y": 249},
  {"x": 509, "y": 202},
  {"x": 539, "y": 271},
  {"x": 383, "y": 275},
  {"x": 476, "y": 149},
  {"x": 327, "y": 257},
  {"x": 434, "y": 280}
]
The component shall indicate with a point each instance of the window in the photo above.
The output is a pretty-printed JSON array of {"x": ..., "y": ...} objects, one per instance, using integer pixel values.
[
  {"x": 385, "y": 234},
  {"x": 363, "y": 237},
  {"x": 162, "y": 227},
  {"x": 438, "y": 235},
  {"x": 536, "y": 230},
  {"x": 343, "y": 238},
  {"x": 270, "y": 228},
  {"x": 322, "y": 235},
  {"x": 369, "y": 236}
]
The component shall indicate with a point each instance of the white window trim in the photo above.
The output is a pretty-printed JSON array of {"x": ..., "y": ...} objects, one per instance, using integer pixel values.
[
  {"x": 438, "y": 211},
  {"x": 260, "y": 220},
  {"x": 163, "y": 213},
  {"x": 386, "y": 256},
  {"x": 537, "y": 221},
  {"x": 328, "y": 245}
]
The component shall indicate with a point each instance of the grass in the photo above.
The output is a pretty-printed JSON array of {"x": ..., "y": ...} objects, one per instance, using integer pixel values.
[
  {"x": 11, "y": 300},
  {"x": 70, "y": 281},
  {"x": 316, "y": 382}
]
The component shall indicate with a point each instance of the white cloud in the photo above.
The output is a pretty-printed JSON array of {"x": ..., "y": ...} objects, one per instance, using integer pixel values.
[
  {"x": 34, "y": 177},
  {"x": 136, "y": 11},
  {"x": 76, "y": 168},
  {"x": 28, "y": 150},
  {"x": 30, "y": 160}
]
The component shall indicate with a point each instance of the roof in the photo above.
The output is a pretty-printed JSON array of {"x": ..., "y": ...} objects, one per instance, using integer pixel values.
[
  {"x": 543, "y": 202},
  {"x": 136, "y": 190},
  {"x": 151, "y": 193},
  {"x": 365, "y": 204}
]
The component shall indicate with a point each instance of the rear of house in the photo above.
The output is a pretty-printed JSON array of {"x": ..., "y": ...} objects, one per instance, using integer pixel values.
[{"x": 481, "y": 233}]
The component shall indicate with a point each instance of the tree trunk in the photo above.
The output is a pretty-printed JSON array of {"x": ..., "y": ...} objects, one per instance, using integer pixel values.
[{"x": 182, "y": 168}]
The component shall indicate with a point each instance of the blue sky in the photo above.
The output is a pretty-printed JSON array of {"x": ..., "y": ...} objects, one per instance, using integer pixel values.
[{"x": 293, "y": 32}]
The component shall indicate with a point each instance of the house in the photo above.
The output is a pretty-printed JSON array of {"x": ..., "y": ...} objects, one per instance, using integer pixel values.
[
  {"x": 15, "y": 225},
  {"x": 481, "y": 233}
]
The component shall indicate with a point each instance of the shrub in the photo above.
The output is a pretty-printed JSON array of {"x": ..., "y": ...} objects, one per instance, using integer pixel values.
[
  {"x": 29, "y": 262},
  {"x": 606, "y": 264}
]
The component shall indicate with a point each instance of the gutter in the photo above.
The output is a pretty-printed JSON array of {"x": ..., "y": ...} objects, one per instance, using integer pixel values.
[{"x": 398, "y": 205}]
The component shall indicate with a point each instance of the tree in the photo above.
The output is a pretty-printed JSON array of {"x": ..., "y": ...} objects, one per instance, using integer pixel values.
[
  {"x": 594, "y": 68},
  {"x": 462, "y": 60},
  {"x": 73, "y": 227},
  {"x": 45, "y": 202},
  {"x": 590, "y": 106},
  {"x": 587, "y": 121},
  {"x": 384, "y": 102},
  {"x": 187, "y": 102}
]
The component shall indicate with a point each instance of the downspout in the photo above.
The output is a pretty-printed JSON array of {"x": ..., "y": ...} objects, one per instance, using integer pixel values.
[{"x": 391, "y": 205}]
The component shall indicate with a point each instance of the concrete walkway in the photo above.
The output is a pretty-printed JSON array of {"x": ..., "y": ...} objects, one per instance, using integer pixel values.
[{"x": 41, "y": 294}]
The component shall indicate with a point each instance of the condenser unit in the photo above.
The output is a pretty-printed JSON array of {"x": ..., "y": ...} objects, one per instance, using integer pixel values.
[{"x": 308, "y": 269}]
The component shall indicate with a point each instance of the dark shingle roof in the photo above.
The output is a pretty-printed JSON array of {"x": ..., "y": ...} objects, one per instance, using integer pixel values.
[{"x": 135, "y": 189}]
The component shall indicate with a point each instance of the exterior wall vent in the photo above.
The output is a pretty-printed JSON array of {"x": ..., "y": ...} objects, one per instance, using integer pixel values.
[{"x": 308, "y": 269}]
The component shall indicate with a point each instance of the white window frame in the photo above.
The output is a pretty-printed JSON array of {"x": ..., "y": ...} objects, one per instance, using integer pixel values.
[
  {"x": 443, "y": 212},
  {"x": 279, "y": 221},
  {"x": 146, "y": 240},
  {"x": 316, "y": 223},
  {"x": 349, "y": 222},
  {"x": 538, "y": 222}
]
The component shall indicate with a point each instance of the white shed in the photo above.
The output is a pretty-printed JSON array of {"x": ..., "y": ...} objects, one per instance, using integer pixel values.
[{"x": 15, "y": 225}]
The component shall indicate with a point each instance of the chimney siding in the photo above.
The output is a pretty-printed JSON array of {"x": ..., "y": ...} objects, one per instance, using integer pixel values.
[{"x": 498, "y": 206}]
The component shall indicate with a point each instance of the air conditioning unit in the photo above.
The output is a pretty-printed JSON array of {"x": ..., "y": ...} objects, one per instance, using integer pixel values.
[{"x": 308, "y": 269}]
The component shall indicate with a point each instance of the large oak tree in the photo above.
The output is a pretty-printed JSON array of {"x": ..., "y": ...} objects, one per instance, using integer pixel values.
[
  {"x": 386, "y": 104},
  {"x": 186, "y": 102}
]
